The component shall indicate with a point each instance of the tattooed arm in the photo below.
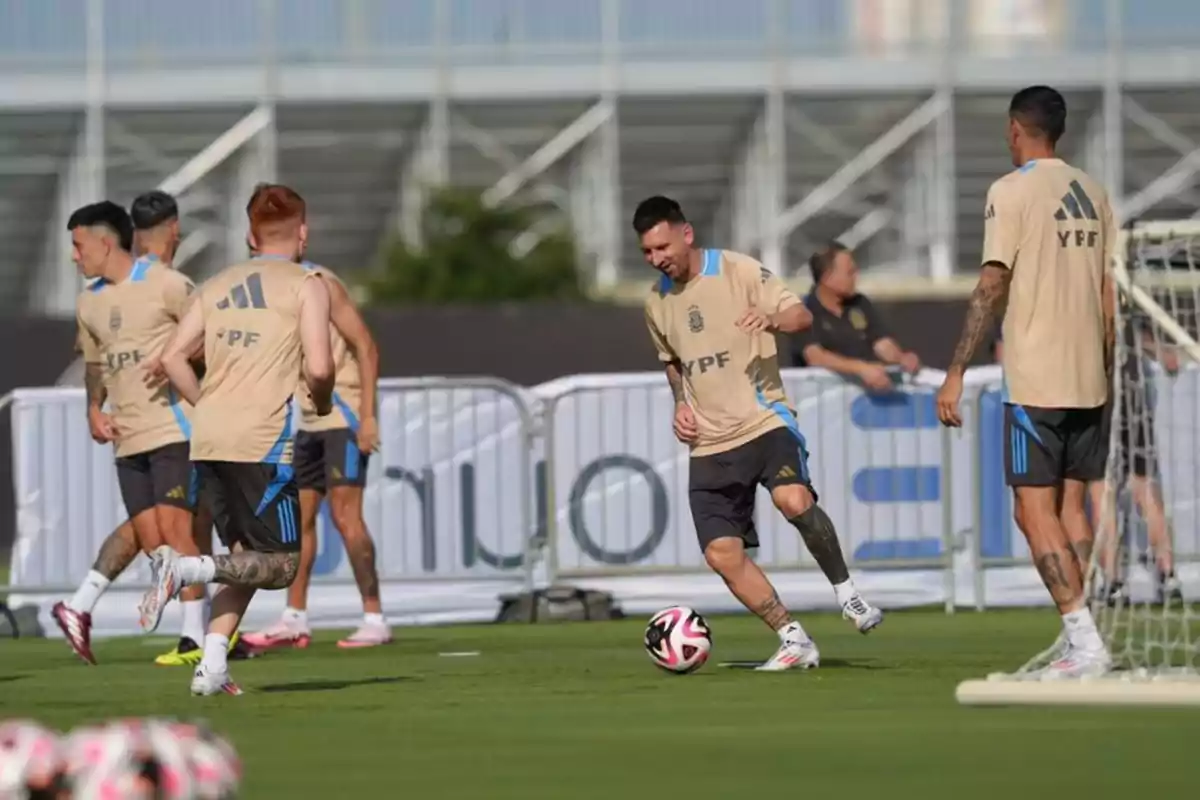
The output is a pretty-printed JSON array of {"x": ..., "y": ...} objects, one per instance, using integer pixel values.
[
  {"x": 675, "y": 379},
  {"x": 985, "y": 307},
  {"x": 257, "y": 570}
]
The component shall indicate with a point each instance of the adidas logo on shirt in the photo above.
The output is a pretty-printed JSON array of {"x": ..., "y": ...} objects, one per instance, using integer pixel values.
[
  {"x": 1076, "y": 205},
  {"x": 245, "y": 295}
]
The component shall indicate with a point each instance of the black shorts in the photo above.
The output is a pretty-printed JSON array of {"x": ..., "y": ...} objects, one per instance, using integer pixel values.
[
  {"x": 254, "y": 505},
  {"x": 722, "y": 487},
  {"x": 1049, "y": 445},
  {"x": 325, "y": 459},
  {"x": 162, "y": 476},
  {"x": 1136, "y": 448}
]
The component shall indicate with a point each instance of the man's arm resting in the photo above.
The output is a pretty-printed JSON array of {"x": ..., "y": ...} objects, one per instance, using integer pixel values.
[
  {"x": 888, "y": 351},
  {"x": 986, "y": 305},
  {"x": 817, "y": 356},
  {"x": 350, "y": 324},
  {"x": 176, "y": 358}
]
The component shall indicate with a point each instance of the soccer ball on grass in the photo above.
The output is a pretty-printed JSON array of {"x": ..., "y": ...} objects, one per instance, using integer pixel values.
[{"x": 678, "y": 640}]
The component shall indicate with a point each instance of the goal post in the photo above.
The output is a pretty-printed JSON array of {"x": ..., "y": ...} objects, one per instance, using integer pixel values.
[{"x": 1150, "y": 621}]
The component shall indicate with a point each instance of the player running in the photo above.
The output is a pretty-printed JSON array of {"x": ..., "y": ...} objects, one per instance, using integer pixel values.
[
  {"x": 712, "y": 317},
  {"x": 330, "y": 459},
  {"x": 155, "y": 218},
  {"x": 125, "y": 316},
  {"x": 1048, "y": 238},
  {"x": 261, "y": 322}
]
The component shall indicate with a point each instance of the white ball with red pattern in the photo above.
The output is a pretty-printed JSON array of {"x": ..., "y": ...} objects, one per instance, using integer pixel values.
[
  {"x": 678, "y": 640},
  {"x": 30, "y": 757}
]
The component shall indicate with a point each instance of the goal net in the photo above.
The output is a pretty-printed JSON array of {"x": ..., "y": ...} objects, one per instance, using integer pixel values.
[{"x": 1143, "y": 582}]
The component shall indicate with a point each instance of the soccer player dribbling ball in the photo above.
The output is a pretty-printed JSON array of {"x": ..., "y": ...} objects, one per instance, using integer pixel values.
[
  {"x": 1048, "y": 241},
  {"x": 712, "y": 317}
]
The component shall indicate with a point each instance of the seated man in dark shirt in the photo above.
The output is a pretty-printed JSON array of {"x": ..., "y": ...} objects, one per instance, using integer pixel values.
[{"x": 847, "y": 336}]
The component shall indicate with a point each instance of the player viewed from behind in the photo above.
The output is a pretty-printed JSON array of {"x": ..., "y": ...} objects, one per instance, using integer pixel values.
[
  {"x": 261, "y": 322},
  {"x": 1048, "y": 239},
  {"x": 712, "y": 317},
  {"x": 330, "y": 461},
  {"x": 125, "y": 316}
]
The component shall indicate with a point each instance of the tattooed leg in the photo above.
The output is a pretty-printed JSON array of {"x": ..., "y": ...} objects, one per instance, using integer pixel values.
[
  {"x": 256, "y": 570},
  {"x": 117, "y": 552},
  {"x": 1056, "y": 561},
  {"x": 820, "y": 537},
  {"x": 346, "y": 505},
  {"x": 727, "y": 557}
]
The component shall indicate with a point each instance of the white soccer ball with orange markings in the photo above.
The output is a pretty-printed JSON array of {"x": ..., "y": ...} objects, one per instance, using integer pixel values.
[{"x": 678, "y": 640}]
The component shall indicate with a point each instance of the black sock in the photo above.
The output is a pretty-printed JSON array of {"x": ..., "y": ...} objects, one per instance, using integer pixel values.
[{"x": 820, "y": 537}]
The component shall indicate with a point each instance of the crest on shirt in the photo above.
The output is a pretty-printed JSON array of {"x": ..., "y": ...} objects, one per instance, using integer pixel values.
[
  {"x": 695, "y": 320},
  {"x": 114, "y": 319},
  {"x": 858, "y": 320}
]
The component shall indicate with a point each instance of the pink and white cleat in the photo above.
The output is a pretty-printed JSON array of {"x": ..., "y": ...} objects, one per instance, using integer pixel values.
[
  {"x": 282, "y": 634},
  {"x": 369, "y": 634}
]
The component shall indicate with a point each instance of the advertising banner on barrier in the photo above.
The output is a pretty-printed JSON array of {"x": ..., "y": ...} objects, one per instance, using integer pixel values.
[{"x": 467, "y": 474}]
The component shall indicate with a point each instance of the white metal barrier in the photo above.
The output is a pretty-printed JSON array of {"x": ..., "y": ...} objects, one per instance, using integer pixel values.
[{"x": 481, "y": 486}]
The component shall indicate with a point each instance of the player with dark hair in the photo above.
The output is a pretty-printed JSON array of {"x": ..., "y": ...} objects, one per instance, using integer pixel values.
[
  {"x": 262, "y": 322},
  {"x": 1048, "y": 240},
  {"x": 848, "y": 335},
  {"x": 125, "y": 316},
  {"x": 155, "y": 218},
  {"x": 712, "y": 317},
  {"x": 331, "y": 461}
]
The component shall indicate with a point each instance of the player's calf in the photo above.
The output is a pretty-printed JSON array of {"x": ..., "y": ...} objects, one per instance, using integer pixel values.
[
  {"x": 727, "y": 557},
  {"x": 799, "y": 507},
  {"x": 74, "y": 616}
]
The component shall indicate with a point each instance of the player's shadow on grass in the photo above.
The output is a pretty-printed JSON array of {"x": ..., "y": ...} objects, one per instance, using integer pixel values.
[
  {"x": 331, "y": 686},
  {"x": 11, "y": 678}
]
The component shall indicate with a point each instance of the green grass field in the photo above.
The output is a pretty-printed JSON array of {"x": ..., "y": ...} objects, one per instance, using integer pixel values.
[{"x": 578, "y": 711}]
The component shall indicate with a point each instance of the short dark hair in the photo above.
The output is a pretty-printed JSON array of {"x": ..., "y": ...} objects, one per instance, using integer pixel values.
[
  {"x": 654, "y": 210},
  {"x": 105, "y": 214},
  {"x": 153, "y": 209},
  {"x": 820, "y": 261},
  {"x": 1041, "y": 109}
]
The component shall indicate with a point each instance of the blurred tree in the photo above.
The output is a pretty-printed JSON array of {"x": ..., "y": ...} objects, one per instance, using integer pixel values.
[{"x": 468, "y": 256}]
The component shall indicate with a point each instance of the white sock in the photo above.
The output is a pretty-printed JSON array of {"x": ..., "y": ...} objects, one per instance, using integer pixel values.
[
  {"x": 792, "y": 633},
  {"x": 1081, "y": 630},
  {"x": 88, "y": 593},
  {"x": 193, "y": 619},
  {"x": 844, "y": 591},
  {"x": 196, "y": 569},
  {"x": 297, "y": 617},
  {"x": 375, "y": 620},
  {"x": 216, "y": 648}
]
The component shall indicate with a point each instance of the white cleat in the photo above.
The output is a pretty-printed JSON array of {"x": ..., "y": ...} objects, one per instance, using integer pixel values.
[
  {"x": 164, "y": 586},
  {"x": 793, "y": 655},
  {"x": 1078, "y": 663},
  {"x": 206, "y": 684},
  {"x": 864, "y": 615}
]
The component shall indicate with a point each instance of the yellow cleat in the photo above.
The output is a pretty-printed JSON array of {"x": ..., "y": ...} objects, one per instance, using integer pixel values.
[{"x": 187, "y": 653}]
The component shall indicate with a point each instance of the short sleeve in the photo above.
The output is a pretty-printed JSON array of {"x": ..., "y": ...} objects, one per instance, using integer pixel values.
[
  {"x": 877, "y": 328},
  {"x": 768, "y": 293},
  {"x": 177, "y": 292},
  {"x": 665, "y": 354},
  {"x": 1001, "y": 225},
  {"x": 85, "y": 343}
]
